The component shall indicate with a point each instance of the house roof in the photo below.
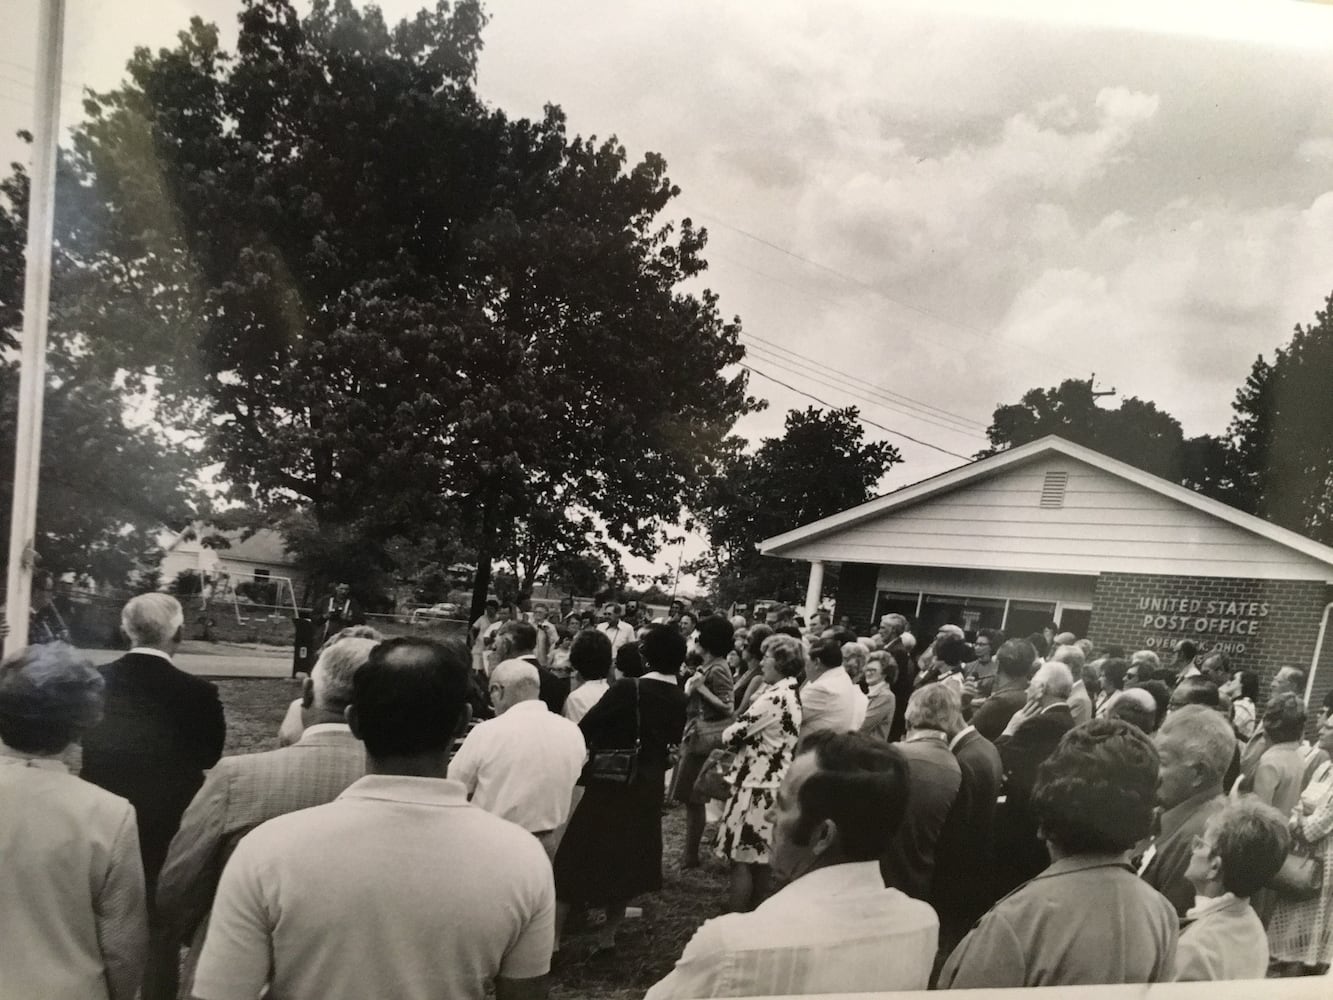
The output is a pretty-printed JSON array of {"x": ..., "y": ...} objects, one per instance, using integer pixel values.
[
  {"x": 973, "y": 472},
  {"x": 264, "y": 546}
]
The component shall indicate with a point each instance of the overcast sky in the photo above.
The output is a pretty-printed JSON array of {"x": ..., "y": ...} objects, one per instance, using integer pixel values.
[{"x": 949, "y": 204}]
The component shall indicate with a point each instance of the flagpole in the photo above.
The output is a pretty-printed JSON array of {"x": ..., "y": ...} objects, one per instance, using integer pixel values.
[{"x": 36, "y": 302}]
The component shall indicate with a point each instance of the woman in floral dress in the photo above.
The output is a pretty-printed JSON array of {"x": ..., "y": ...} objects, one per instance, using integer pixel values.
[{"x": 763, "y": 738}]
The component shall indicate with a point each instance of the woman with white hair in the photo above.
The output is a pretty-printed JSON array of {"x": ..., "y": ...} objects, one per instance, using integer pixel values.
[{"x": 72, "y": 905}]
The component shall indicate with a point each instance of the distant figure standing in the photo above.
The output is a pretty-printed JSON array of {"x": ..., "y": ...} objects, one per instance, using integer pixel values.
[
  {"x": 44, "y": 621},
  {"x": 337, "y": 611}
]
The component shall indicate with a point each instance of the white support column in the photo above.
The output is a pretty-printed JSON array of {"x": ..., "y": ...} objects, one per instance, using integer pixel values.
[
  {"x": 36, "y": 300},
  {"x": 815, "y": 590}
]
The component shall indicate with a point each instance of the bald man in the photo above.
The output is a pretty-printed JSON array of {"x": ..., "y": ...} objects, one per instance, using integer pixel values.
[{"x": 523, "y": 764}]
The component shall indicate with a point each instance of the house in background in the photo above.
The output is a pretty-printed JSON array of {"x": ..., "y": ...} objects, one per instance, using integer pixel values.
[{"x": 260, "y": 564}]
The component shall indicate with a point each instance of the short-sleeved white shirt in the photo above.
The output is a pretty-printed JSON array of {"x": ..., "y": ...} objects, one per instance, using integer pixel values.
[
  {"x": 399, "y": 888},
  {"x": 523, "y": 765}
]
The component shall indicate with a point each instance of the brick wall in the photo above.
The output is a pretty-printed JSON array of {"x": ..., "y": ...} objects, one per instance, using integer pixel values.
[
  {"x": 1285, "y": 636},
  {"x": 857, "y": 584}
]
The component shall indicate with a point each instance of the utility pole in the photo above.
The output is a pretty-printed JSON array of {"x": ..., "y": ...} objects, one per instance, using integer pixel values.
[
  {"x": 1092, "y": 387},
  {"x": 36, "y": 303}
]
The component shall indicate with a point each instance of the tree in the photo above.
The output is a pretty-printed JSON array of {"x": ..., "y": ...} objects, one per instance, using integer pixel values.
[
  {"x": 821, "y": 465},
  {"x": 402, "y": 305},
  {"x": 1282, "y": 431},
  {"x": 108, "y": 485},
  {"x": 579, "y": 573}
]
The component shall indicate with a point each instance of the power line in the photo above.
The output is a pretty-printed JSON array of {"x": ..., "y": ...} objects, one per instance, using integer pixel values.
[
  {"x": 864, "y": 420},
  {"x": 782, "y": 364},
  {"x": 986, "y": 336},
  {"x": 908, "y": 401}
]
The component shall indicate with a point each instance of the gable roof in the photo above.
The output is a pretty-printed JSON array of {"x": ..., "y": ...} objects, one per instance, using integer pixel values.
[
  {"x": 985, "y": 468},
  {"x": 265, "y": 546}
]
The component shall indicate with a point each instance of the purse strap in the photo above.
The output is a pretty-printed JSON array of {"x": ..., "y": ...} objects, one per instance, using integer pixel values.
[{"x": 638, "y": 723}]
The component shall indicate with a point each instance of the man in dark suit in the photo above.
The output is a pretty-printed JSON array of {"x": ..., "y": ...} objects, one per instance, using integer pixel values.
[
  {"x": 336, "y": 612},
  {"x": 1030, "y": 738},
  {"x": 1013, "y": 663},
  {"x": 161, "y": 729},
  {"x": 961, "y": 891},
  {"x": 517, "y": 640}
]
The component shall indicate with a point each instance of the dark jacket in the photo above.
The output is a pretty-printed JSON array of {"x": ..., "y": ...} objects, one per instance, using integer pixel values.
[
  {"x": 933, "y": 780},
  {"x": 160, "y": 730},
  {"x": 1010, "y": 694},
  {"x": 1020, "y": 853},
  {"x": 961, "y": 890}
]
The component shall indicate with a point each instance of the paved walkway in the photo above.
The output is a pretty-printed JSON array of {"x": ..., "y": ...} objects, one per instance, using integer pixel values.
[{"x": 224, "y": 661}]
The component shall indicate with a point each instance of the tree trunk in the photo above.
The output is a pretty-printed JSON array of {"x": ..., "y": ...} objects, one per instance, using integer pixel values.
[{"x": 481, "y": 582}]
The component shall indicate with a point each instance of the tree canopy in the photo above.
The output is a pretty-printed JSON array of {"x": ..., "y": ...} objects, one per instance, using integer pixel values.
[
  {"x": 389, "y": 305},
  {"x": 822, "y": 464}
]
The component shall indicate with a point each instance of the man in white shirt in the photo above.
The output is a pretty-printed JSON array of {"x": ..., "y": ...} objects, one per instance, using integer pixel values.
[
  {"x": 617, "y": 631},
  {"x": 829, "y": 699},
  {"x": 522, "y": 765},
  {"x": 834, "y": 927},
  {"x": 399, "y": 888},
  {"x": 480, "y": 627}
]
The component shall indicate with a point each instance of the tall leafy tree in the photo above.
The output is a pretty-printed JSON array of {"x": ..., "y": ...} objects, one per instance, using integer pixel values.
[
  {"x": 822, "y": 464},
  {"x": 109, "y": 480},
  {"x": 400, "y": 305},
  {"x": 1283, "y": 431}
]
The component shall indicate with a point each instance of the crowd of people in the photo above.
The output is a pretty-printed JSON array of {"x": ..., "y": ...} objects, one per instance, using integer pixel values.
[{"x": 958, "y": 810}]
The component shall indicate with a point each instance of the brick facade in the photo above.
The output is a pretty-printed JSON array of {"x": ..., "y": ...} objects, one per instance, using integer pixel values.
[
  {"x": 1261, "y": 624},
  {"x": 857, "y": 587}
]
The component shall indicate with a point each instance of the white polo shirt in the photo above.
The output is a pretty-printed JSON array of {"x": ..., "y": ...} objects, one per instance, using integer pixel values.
[
  {"x": 619, "y": 634},
  {"x": 522, "y": 765},
  {"x": 399, "y": 888}
]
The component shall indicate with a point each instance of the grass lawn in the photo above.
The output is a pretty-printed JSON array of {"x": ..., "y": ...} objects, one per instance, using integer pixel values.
[{"x": 646, "y": 949}]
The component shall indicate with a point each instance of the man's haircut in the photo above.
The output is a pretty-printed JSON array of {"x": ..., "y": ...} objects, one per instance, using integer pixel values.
[
  {"x": 1138, "y": 707},
  {"x": 612, "y": 607},
  {"x": 1014, "y": 659},
  {"x": 843, "y": 635},
  {"x": 1293, "y": 676},
  {"x": 787, "y": 652},
  {"x": 790, "y": 630},
  {"x": 1161, "y": 694},
  {"x": 1116, "y": 669},
  {"x": 662, "y": 648},
  {"x": 590, "y": 654},
  {"x": 1205, "y": 739},
  {"x": 887, "y": 664},
  {"x": 522, "y": 636},
  {"x": 860, "y": 784},
  {"x": 491, "y": 602},
  {"x": 353, "y": 632},
  {"x": 1252, "y": 842},
  {"x": 1284, "y": 717},
  {"x": 936, "y": 706},
  {"x": 1186, "y": 650},
  {"x": 333, "y": 671},
  {"x": 1096, "y": 792},
  {"x": 1071, "y": 656},
  {"x": 629, "y": 660},
  {"x": 754, "y": 642},
  {"x": 826, "y": 652},
  {"x": 953, "y": 650},
  {"x": 1056, "y": 677},
  {"x": 1249, "y": 685},
  {"x": 519, "y": 676},
  {"x": 1038, "y": 642},
  {"x": 716, "y": 636},
  {"x": 411, "y": 695},
  {"x": 895, "y": 622},
  {"x": 49, "y": 695},
  {"x": 152, "y": 619},
  {"x": 1196, "y": 691}
]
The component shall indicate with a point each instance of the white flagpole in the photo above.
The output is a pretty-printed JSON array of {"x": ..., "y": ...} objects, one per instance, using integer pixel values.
[{"x": 36, "y": 301}]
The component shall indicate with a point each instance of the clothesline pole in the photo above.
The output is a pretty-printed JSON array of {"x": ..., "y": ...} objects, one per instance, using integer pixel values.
[{"x": 36, "y": 303}]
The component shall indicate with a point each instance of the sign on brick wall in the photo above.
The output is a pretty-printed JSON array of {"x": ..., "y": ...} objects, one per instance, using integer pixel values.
[{"x": 1225, "y": 625}]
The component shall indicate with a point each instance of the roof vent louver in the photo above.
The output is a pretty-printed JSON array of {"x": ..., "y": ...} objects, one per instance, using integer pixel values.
[{"x": 1053, "y": 489}]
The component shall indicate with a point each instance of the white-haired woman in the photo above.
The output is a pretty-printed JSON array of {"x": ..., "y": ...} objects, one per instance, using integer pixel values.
[
  {"x": 763, "y": 738},
  {"x": 72, "y": 906}
]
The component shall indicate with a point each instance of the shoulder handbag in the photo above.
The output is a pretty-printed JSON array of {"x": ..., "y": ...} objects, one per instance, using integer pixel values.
[
  {"x": 712, "y": 782},
  {"x": 616, "y": 767},
  {"x": 1301, "y": 875}
]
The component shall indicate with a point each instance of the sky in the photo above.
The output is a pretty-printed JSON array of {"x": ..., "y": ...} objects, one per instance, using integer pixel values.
[{"x": 925, "y": 209}]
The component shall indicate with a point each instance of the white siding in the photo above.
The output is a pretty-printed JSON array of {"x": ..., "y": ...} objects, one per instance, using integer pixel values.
[{"x": 1107, "y": 525}]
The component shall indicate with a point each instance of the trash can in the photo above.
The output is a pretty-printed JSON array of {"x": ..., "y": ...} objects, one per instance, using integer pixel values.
[{"x": 303, "y": 649}]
